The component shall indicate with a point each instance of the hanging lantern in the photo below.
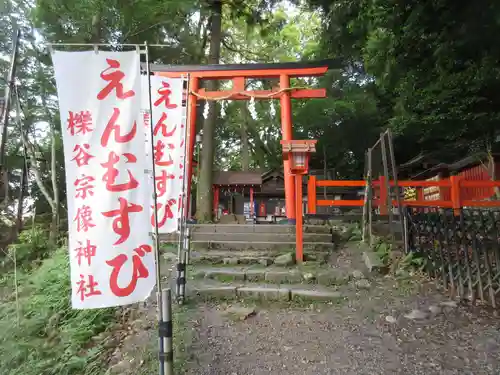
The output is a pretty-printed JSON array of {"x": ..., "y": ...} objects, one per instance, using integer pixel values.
[
  {"x": 298, "y": 153},
  {"x": 272, "y": 110}
]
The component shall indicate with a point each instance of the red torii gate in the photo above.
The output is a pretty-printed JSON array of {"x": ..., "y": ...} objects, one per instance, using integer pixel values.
[{"x": 238, "y": 74}]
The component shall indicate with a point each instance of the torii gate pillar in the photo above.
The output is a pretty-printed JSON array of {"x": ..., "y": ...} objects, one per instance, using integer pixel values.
[{"x": 287, "y": 135}]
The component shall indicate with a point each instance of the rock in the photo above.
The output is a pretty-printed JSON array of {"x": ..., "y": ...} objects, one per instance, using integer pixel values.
[
  {"x": 372, "y": 261},
  {"x": 265, "y": 262},
  {"x": 435, "y": 309},
  {"x": 357, "y": 274},
  {"x": 241, "y": 313},
  {"x": 390, "y": 319},
  {"x": 449, "y": 304},
  {"x": 308, "y": 276},
  {"x": 416, "y": 315},
  {"x": 362, "y": 284},
  {"x": 287, "y": 259},
  {"x": 232, "y": 261}
]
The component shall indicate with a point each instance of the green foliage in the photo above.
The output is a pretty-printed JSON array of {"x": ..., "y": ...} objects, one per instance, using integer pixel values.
[
  {"x": 51, "y": 337},
  {"x": 32, "y": 244},
  {"x": 435, "y": 65}
]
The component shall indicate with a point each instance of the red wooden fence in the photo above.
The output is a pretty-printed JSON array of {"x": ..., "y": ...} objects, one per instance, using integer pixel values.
[{"x": 455, "y": 192}]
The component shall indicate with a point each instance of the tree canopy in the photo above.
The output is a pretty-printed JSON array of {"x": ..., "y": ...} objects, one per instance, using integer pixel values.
[{"x": 427, "y": 69}]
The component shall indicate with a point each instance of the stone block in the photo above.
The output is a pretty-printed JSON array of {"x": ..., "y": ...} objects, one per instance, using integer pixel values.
[
  {"x": 315, "y": 295},
  {"x": 225, "y": 275},
  {"x": 287, "y": 259},
  {"x": 217, "y": 292},
  {"x": 264, "y": 293},
  {"x": 255, "y": 275},
  {"x": 283, "y": 277},
  {"x": 232, "y": 261},
  {"x": 372, "y": 261}
]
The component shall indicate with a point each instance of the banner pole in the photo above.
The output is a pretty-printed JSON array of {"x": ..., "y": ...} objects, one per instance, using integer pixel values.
[
  {"x": 181, "y": 254},
  {"x": 156, "y": 241}
]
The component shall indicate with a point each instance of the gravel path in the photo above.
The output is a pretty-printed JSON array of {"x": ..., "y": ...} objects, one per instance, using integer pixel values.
[{"x": 353, "y": 337}]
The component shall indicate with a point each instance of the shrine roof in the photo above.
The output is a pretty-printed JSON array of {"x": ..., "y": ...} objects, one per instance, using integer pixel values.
[
  {"x": 329, "y": 63},
  {"x": 237, "y": 178}
]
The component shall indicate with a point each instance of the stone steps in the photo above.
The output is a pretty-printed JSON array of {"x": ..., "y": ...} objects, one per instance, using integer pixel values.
[
  {"x": 255, "y": 228},
  {"x": 250, "y": 237},
  {"x": 313, "y": 274},
  {"x": 259, "y": 245},
  {"x": 249, "y": 257},
  {"x": 264, "y": 292}
]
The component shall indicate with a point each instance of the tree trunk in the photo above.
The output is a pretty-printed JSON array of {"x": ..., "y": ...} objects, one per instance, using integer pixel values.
[
  {"x": 245, "y": 151},
  {"x": 54, "y": 226},
  {"x": 204, "y": 204}
]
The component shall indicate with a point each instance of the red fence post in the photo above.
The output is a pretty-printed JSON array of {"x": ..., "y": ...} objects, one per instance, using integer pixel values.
[
  {"x": 383, "y": 196},
  {"x": 311, "y": 195},
  {"x": 455, "y": 194},
  {"x": 299, "y": 245}
]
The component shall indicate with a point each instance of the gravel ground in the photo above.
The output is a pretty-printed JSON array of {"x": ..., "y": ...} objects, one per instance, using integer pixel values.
[{"x": 353, "y": 337}]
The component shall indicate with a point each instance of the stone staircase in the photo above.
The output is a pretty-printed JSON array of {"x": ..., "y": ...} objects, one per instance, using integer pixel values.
[{"x": 238, "y": 261}]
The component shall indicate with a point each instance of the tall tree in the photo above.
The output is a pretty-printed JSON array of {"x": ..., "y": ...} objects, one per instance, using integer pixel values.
[{"x": 204, "y": 204}]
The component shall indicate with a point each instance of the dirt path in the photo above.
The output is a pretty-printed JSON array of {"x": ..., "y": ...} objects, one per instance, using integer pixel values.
[
  {"x": 364, "y": 333},
  {"x": 353, "y": 337}
]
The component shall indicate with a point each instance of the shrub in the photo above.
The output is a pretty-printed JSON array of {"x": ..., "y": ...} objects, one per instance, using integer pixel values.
[
  {"x": 51, "y": 338},
  {"x": 32, "y": 244}
]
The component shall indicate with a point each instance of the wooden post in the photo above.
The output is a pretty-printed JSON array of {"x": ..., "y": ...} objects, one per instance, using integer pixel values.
[
  {"x": 383, "y": 195},
  {"x": 216, "y": 202},
  {"x": 251, "y": 203},
  {"x": 311, "y": 195},
  {"x": 299, "y": 245},
  {"x": 192, "y": 102},
  {"x": 455, "y": 194}
]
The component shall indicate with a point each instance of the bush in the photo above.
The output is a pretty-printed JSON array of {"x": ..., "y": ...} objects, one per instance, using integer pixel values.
[
  {"x": 51, "y": 338},
  {"x": 31, "y": 244}
]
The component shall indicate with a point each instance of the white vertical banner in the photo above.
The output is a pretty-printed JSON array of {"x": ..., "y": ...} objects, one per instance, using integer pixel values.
[
  {"x": 110, "y": 247},
  {"x": 169, "y": 131}
]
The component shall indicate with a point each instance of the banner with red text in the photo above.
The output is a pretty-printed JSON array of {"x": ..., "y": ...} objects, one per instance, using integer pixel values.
[
  {"x": 169, "y": 130},
  {"x": 109, "y": 199}
]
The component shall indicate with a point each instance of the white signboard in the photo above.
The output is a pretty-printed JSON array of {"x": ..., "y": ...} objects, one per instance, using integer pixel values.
[
  {"x": 169, "y": 131},
  {"x": 109, "y": 199}
]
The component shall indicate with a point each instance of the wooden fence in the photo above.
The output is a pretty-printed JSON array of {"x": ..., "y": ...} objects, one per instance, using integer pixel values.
[{"x": 454, "y": 192}]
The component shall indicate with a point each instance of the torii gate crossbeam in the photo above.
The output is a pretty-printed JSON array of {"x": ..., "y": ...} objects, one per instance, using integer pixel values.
[{"x": 238, "y": 74}]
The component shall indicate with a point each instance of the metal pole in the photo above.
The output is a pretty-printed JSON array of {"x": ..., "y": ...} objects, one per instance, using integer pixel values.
[
  {"x": 388, "y": 182},
  {"x": 370, "y": 200},
  {"x": 181, "y": 264},
  {"x": 156, "y": 241},
  {"x": 395, "y": 176},
  {"x": 166, "y": 332},
  {"x": 4, "y": 121}
]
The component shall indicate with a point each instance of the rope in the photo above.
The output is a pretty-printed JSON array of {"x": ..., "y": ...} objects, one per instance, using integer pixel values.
[{"x": 246, "y": 93}]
